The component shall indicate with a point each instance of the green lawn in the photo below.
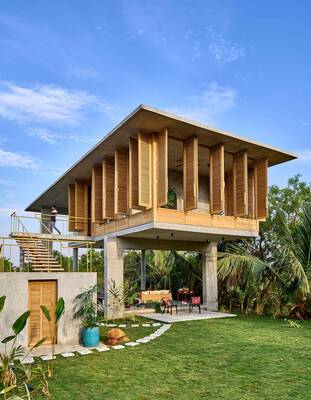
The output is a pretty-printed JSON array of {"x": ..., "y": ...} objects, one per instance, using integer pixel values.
[{"x": 236, "y": 358}]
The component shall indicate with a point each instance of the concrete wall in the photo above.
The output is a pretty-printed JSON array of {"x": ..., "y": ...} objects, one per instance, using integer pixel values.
[
  {"x": 15, "y": 287},
  {"x": 175, "y": 180}
]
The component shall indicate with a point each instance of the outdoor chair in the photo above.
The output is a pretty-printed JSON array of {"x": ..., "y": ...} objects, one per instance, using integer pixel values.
[
  {"x": 195, "y": 302},
  {"x": 168, "y": 306}
]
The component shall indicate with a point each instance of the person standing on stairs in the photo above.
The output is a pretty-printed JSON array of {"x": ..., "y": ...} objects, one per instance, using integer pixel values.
[{"x": 53, "y": 220}]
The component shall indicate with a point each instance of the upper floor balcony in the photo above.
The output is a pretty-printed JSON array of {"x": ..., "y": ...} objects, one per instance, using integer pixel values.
[{"x": 160, "y": 176}]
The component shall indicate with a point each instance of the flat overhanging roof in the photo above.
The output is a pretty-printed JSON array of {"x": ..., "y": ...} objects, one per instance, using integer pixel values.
[{"x": 154, "y": 120}]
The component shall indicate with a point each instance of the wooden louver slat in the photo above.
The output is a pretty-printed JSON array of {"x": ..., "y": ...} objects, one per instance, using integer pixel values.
[
  {"x": 71, "y": 208},
  {"x": 108, "y": 188},
  {"x": 121, "y": 181},
  {"x": 190, "y": 171},
  {"x": 97, "y": 194},
  {"x": 217, "y": 178},
  {"x": 229, "y": 195},
  {"x": 144, "y": 169},
  {"x": 162, "y": 167},
  {"x": 240, "y": 184},
  {"x": 261, "y": 188},
  {"x": 133, "y": 173},
  {"x": 81, "y": 206},
  {"x": 251, "y": 193}
]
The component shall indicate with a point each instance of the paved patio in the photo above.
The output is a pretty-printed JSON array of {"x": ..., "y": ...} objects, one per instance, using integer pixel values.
[{"x": 184, "y": 315}]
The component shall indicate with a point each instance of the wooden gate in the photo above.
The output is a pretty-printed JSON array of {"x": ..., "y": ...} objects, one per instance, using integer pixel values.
[{"x": 41, "y": 293}]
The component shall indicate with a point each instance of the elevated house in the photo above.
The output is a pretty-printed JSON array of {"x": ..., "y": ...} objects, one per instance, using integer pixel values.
[{"x": 116, "y": 196}]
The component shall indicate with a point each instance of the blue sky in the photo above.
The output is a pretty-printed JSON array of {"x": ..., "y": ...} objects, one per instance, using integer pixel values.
[{"x": 71, "y": 70}]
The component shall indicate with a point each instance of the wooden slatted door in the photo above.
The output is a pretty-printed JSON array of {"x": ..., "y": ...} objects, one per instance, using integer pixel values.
[
  {"x": 191, "y": 174},
  {"x": 217, "y": 179},
  {"x": 41, "y": 293}
]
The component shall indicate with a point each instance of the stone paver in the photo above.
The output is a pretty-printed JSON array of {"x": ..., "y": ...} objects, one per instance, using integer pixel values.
[
  {"x": 118, "y": 347},
  {"x": 131, "y": 344},
  {"x": 102, "y": 349},
  {"x": 84, "y": 352},
  {"x": 68, "y": 354},
  {"x": 47, "y": 358}
]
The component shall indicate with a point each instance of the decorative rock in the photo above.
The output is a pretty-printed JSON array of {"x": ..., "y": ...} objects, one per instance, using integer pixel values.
[
  {"x": 116, "y": 336},
  {"x": 84, "y": 352},
  {"x": 67, "y": 355}
]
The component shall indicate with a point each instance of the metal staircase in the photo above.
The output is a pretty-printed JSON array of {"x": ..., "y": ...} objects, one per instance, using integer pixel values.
[{"x": 38, "y": 255}]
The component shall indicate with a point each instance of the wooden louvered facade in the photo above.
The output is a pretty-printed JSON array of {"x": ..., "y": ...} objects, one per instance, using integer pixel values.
[
  {"x": 229, "y": 193},
  {"x": 240, "y": 182},
  {"x": 144, "y": 169},
  {"x": 133, "y": 174},
  {"x": 81, "y": 206},
  {"x": 162, "y": 167},
  {"x": 71, "y": 208},
  {"x": 108, "y": 188},
  {"x": 217, "y": 177},
  {"x": 190, "y": 173},
  {"x": 121, "y": 203},
  {"x": 261, "y": 189},
  {"x": 97, "y": 194}
]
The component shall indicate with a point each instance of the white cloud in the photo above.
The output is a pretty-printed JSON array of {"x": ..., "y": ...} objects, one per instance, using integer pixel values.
[
  {"x": 304, "y": 156},
  {"x": 223, "y": 51},
  {"x": 86, "y": 74},
  {"x": 51, "y": 137},
  {"x": 17, "y": 160},
  {"x": 209, "y": 104},
  {"x": 49, "y": 104}
]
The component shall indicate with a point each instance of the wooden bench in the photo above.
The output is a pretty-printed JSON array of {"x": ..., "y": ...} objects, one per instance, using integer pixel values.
[{"x": 148, "y": 296}]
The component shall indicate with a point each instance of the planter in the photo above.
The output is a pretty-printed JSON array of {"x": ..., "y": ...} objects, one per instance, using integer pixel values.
[{"x": 90, "y": 337}]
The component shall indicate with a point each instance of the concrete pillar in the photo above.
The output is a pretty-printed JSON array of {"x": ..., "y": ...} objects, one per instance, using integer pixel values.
[
  {"x": 75, "y": 259},
  {"x": 45, "y": 219},
  {"x": 209, "y": 277},
  {"x": 113, "y": 276},
  {"x": 143, "y": 270},
  {"x": 21, "y": 259}
]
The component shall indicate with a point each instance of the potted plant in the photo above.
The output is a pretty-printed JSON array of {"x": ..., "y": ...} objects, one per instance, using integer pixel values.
[{"x": 85, "y": 309}]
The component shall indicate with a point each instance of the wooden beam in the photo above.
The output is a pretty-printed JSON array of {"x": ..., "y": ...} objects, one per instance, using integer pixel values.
[
  {"x": 121, "y": 204},
  {"x": 108, "y": 188},
  {"x": 217, "y": 179},
  {"x": 190, "y": 171},
  {"x": 144, "y": 169}
]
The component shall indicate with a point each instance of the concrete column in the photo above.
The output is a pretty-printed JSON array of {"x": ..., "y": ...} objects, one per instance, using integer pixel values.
[
  {"x": 143, "y": 270},
  {"x": 21, "y": 259},
  {"x": 45, "y": 219},
  {"x": 113, "y": 275},
  {"x": 209, "y": 277},
  {"x": 75, "y": 259}
]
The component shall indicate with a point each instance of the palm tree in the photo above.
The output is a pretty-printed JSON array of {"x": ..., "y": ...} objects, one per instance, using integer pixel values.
[{"x": 280, "y": 277}]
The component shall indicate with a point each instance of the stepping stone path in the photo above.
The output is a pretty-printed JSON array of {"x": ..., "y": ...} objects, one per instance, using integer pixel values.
[
  {"x": 111, "y": 325},
  {"x": 101, "y": 349},
  {"x": 27, "y": 360},
  {"x": 66, "y": 355},
  {"x": 84, "y": 352},
  {"x": 47, "y": 358},
  {"x": 118, "y": 347},
  {"x": 145, "y": 325},
  {"x": 122, "y": 326},
  {"x": 131, "y": 344},
  {"x": 135, "y": 325}
]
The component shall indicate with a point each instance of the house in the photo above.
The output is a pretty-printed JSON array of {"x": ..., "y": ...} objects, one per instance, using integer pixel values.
[{"x": 116, "y": 196}]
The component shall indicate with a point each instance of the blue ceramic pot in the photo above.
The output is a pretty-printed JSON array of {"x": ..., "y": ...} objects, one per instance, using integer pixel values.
[{"x": 90, "y": 337}]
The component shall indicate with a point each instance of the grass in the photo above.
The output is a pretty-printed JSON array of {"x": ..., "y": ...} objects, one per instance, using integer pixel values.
[{"x": 239, "y": 358}]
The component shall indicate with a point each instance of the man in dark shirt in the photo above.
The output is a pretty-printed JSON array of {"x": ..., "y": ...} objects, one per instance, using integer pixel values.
[{"x": 53, "y": 219}]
